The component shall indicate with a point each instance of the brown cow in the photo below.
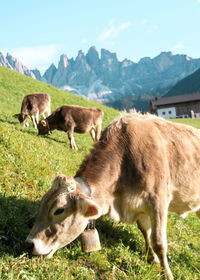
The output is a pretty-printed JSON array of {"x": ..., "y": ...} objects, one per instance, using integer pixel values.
[
  {"x": 34, "y": 105},
  {"x": 72, "y": 118},
  {"x": 142, "y": 167}
]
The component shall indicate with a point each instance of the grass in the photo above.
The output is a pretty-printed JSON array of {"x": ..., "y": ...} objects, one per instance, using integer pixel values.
[
  {"x": 29, "y": 163},
  {"x": 192, "y": 122}
]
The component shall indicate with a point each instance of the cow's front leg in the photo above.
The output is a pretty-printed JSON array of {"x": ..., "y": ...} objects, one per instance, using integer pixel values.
[
  {"x": 43, "y": 115},
  {"x": 144, "y": 224},
  {"x": 158, "y": 215},
  {"x": 33, "y": 120},
  {"x": 71, "y": 138},
  {"x": 37, "y": 118}
]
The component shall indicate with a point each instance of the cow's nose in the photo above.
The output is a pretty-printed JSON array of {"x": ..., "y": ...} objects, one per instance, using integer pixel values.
[{"x": 29, "y": 245}]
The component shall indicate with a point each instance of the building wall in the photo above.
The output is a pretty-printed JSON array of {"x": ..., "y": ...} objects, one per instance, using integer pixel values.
[
  {"x": 167, "y": 113},
  {"x": 181, "y": 110},
  {"x": 185, "y": 109}
]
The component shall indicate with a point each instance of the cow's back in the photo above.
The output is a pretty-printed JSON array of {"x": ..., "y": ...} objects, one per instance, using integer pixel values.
[
  {"x": 82, "y": 117},
  {"x": 35, "y": 102}
]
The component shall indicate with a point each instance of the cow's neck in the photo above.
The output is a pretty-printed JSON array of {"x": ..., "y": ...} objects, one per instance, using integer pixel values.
[
  {"x": 53, "y": 121},
  {"x": 84, "y": 186},
  {"x": 101, "y": 170}
]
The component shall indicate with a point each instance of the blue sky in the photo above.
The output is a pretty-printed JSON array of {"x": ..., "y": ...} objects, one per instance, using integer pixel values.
[{"x": 38, "y": 32}]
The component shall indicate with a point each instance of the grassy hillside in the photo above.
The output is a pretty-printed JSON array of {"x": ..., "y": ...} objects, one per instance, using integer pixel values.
[{"x": 28, "y": 164}]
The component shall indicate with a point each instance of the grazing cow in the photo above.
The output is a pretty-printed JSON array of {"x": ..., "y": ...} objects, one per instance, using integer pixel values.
[
  {"x": 141, "y": 168},
  {"x": 72, "y": 118},
  {"x": 34, "y": 105}
]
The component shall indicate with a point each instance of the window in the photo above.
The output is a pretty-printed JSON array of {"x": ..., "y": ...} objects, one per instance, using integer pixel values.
[
  {"x": 170, "y": 112},
  {"x": 163, "y": 113}
]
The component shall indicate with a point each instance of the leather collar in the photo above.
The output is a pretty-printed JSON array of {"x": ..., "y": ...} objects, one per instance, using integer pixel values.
[{"x": 85, "y": 187}]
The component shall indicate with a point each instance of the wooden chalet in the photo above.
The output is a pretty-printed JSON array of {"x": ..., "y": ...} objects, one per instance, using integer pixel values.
[{"x": 179, "y": 106}]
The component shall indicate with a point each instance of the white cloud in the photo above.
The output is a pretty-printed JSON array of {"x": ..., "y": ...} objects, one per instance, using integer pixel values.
[
  {"x": 178, "y": 46},
  {"x": 143, "y": 21},
  {"x": 83, "y": 41},
  {"x": 112, "y": 21},
  {"x": 36, "y": 56},
  {"x": 153, "y": 27},
  {"x": 113, "y": 31}
]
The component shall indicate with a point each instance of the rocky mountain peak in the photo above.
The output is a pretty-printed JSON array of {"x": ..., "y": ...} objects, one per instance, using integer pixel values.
[
  {"x": 145, "y": 60},
  {"x": 108, "y": 56},
  {"x": 92, "y": 58},
  {"x": 127, "y": 63},
  {"x": 4, "y": 61},
  {"x": 163, "y": 61},
  {"x": 37, "y": 74},
  {"x": 105, "y": 79},
  {"x": 49, "y": 73},
  {"x": 81, "y": 63},
  {"x": 165, "y": 54},
  {"x": 93, "y": 50},
  {"x": 63, "y": 63},
  {"x": 13, "y": 63},
  {"x": 80, "y": 54}
]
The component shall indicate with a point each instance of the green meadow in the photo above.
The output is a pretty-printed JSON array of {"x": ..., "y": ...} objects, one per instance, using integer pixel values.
[{"x": 29, "y": 163}]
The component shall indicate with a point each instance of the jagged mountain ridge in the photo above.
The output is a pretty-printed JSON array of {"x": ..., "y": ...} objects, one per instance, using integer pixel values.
[
  {"x": 11, "y": 62},
  {"x": 103, "y": 78},
  {"x": 106, "y": 79}
]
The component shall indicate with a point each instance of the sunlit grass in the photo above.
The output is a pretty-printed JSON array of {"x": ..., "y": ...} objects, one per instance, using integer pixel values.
[{"x": 29, "y": 163}]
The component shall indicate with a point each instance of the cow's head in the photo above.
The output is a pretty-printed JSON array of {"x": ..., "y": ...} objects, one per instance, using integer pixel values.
[
  {"x": 43, "y": 127},
  {"x": 22, "y": 118},
  {"x": 64, "y": 214}
]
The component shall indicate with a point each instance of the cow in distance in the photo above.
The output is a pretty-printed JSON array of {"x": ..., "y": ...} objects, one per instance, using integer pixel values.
[
  {"x": 71, "y": 118},
  {"x": 34, "y": 105}
]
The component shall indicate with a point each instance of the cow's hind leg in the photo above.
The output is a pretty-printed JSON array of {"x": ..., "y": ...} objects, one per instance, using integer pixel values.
[
  {"x": 37, "y": 118},
  {"x": 144, "y": 224},
  {"x": 71, "y": 138},
  {"x": 49, "y": 110},
  {"x": 158, "y": 214}
]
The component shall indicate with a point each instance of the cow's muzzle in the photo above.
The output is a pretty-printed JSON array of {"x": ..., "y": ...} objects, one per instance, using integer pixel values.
[{"x": 29, "y": 245}]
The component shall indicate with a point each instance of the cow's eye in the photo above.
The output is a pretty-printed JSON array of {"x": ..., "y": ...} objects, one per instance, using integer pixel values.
[{"x": 59, "y": 211}]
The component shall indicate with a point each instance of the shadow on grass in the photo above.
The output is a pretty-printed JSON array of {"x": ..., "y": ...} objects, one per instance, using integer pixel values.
[
  {"x": 21, "y": 129},
  {"x": 35, "y": 133},
  {"x": 8, "y": 121},
  {"x": 113, "y": 235},
  {"x": 55, "y": 140},
  {"x": 16, "y": 219}
]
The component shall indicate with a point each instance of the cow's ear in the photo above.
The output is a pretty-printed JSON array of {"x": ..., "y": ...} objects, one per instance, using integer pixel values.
[
  {"x": 89, "y": 208},
  {"x": 43, "y": 123}
]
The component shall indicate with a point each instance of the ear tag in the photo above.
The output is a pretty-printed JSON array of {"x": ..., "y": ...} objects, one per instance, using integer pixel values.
[{"x": 92, "y": 211}]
